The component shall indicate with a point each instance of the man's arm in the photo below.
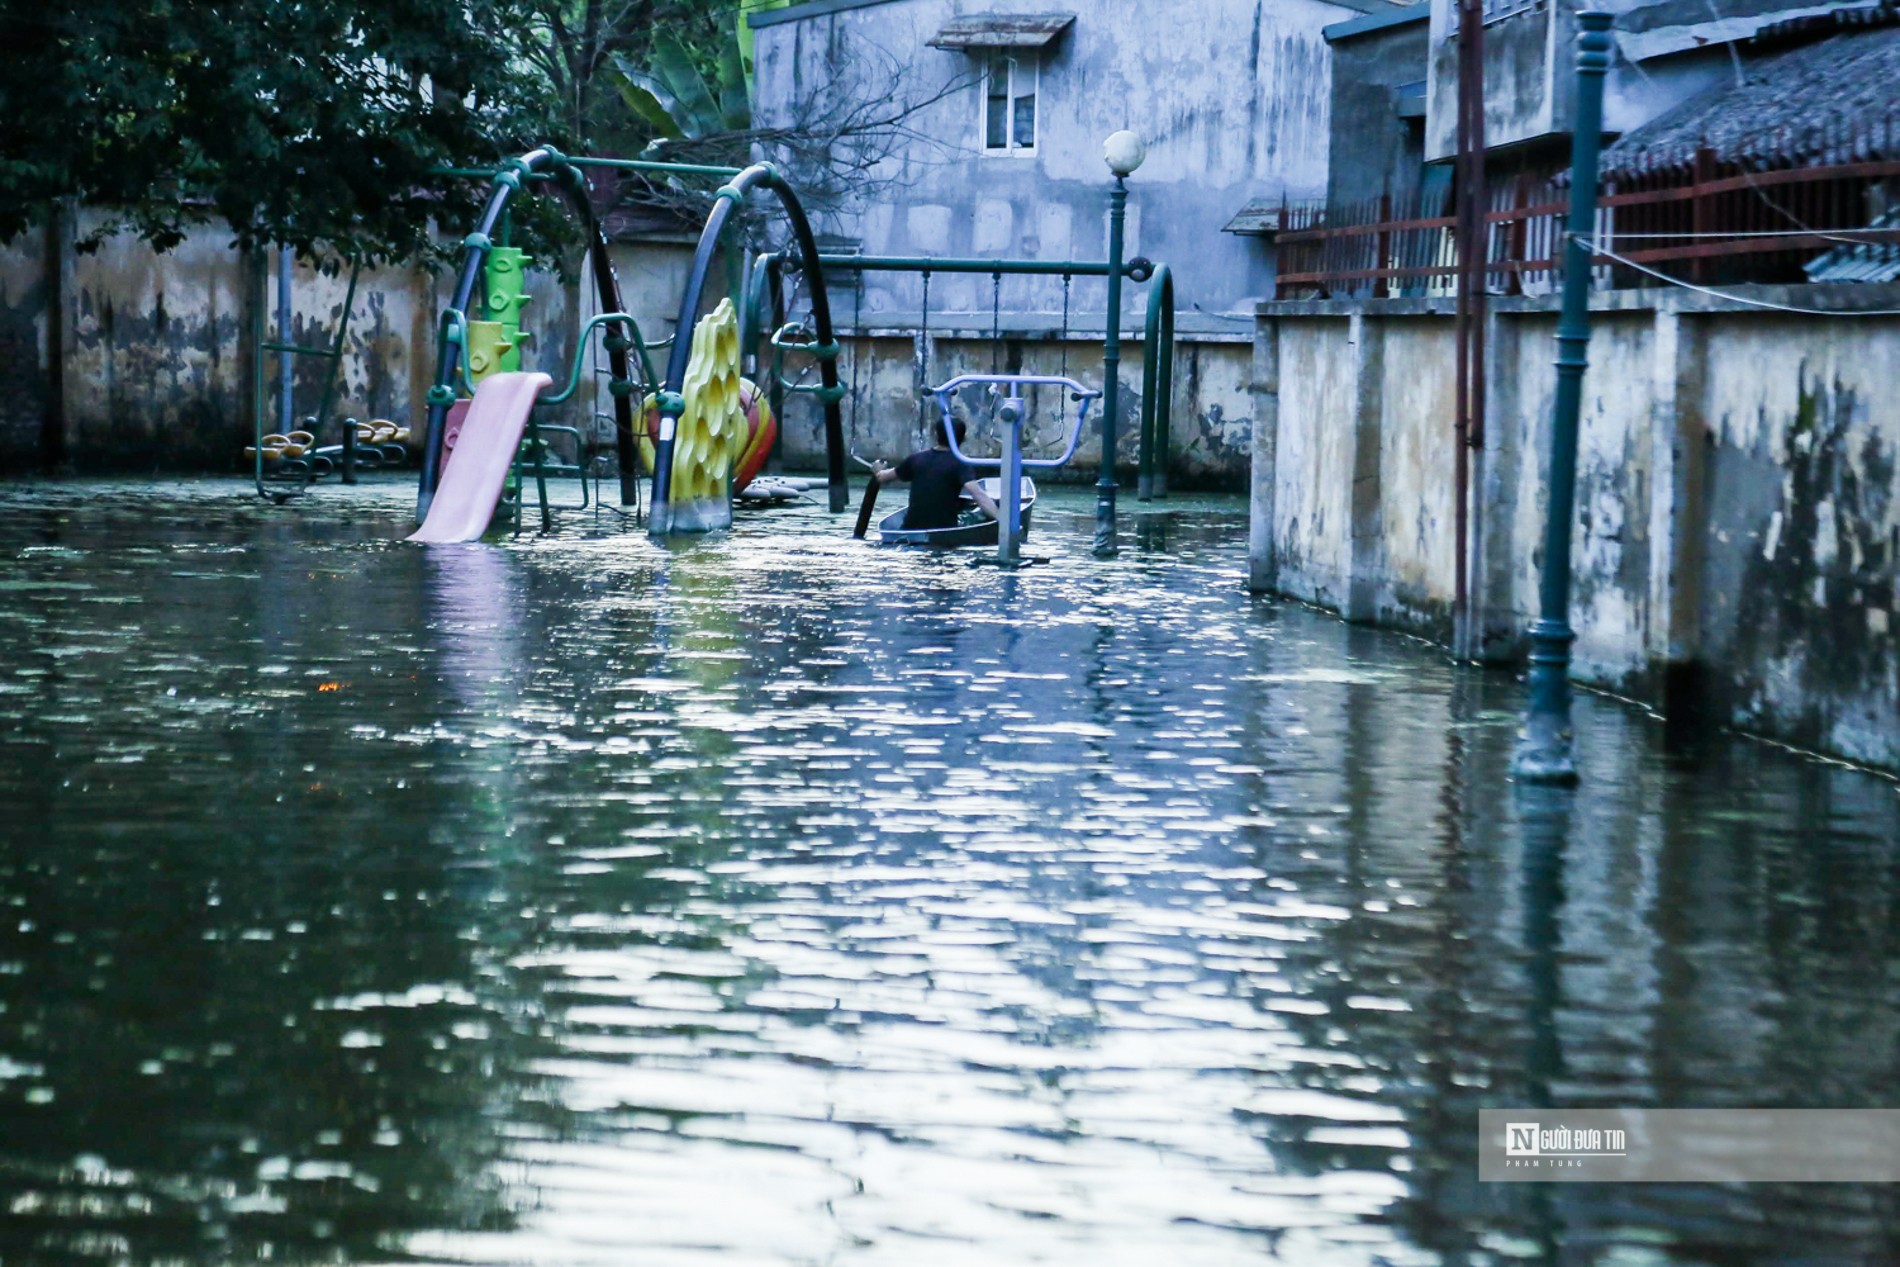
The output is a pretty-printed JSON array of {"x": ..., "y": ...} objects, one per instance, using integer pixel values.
[
  {"x": 975, "y": 489},
  {"x": 885, "y": 473}
]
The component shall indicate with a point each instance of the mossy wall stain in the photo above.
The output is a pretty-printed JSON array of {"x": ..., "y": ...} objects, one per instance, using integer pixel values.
[{"x": 1813, "y": 587}]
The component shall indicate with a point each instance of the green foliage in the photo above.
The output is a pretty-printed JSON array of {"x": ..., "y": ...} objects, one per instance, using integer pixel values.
[
  {"x": 744, "y": 31},
  {"x": 577, "y": 46},
  {"x": 320, "y": 123},
  {"x": 301, "y": 121},
  {"x": 671, "y": 94}
]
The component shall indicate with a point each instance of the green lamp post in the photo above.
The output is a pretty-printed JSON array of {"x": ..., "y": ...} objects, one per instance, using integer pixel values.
[
  {"x": 1123, "y": 153},
  {"x": 1545, "y": 755}
]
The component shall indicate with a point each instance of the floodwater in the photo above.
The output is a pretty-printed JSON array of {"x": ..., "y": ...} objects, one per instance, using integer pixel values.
[{"x": 774, "y": 899}]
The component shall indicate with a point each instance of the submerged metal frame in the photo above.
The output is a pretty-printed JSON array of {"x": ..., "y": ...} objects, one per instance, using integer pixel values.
[
  {"x": 825, "y": 349},
  {"x": 541, "y": 163},
  {"x": 1157, "y": 371},
  {"x": 1012, "y": 462}
]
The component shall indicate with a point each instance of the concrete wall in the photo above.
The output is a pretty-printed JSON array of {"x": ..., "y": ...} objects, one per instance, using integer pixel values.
[
  {"x": 1375, "y": 151},
  {"x": 1668, "y": 50},
  {"x": 26, "y": 333},
  {"x": 1737, "y": 531},
  {"x": 883, "y": 371},
  {"x": 124, "y": 359},
  {"x": 1232, "y": 101}
]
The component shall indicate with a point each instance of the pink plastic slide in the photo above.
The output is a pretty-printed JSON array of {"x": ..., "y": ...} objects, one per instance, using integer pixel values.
[{"x": 465, "y": 499}]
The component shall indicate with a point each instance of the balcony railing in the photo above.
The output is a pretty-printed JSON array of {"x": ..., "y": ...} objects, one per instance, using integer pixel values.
[{"x": 1701, "y": 221}]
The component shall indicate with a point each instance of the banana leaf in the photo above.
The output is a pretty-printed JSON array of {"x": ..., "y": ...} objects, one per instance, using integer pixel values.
[
  {"x": 735, "y": 105},
  {"x": 695, "y": 111}
]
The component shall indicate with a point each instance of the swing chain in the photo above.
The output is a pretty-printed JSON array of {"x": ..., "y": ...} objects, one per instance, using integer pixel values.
[
  {"x": 996, "y": 322},
  {"x": 857, "y": 332},
  {"x": 1062, "y": 397},
  {"x": 923, "y": 340},
  {"x": 1066, "y": 278}
]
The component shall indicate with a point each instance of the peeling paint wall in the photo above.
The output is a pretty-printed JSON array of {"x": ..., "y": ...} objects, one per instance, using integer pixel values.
[
  {"x": 1233, "y": 105},
  {"x": 1313, "y": 474},
  {"x": 1798, "y": 606},
  {"x": 1415, "y": 467},
  {"x": 25, "y": 313},
  {"x": 156, "y": 371},
  {"x": 1737, "y": 533},
  {"x": 1668, "y": 51}
]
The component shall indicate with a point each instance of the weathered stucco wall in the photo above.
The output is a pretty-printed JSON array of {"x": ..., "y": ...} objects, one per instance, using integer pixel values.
[
  {"x": 1738, "y": 522},
  {"x": 1232, "y": 103},
  {"x": 1797, "y": 606},
  {"x": 886, "y": 415},
  {"x": 154, "y": 373},
  {"x": 1374, "y": 149},
  {"x": 1313, "y": 472},
  {"x": 151, "y": 367},
  {"x": 25, "y": 310}
]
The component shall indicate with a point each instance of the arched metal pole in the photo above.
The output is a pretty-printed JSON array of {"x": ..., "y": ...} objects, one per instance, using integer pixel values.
[
  {"x": 1157, "y": 386},
  {"x": 673, "y": 402},
  {"x": 550, "y": 162}
]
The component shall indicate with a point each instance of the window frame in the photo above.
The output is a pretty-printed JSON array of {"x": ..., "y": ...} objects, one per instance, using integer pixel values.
[{"x": 1015, "y": 59}]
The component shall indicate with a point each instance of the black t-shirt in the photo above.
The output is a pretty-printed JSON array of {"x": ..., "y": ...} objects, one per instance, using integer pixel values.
[{"x": 936, "y": 480}]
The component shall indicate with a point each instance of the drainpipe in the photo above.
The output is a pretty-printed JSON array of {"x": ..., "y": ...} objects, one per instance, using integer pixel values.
[
  {"x": 1545, "y": 754},
  {"x": 1474, "y": 248}
]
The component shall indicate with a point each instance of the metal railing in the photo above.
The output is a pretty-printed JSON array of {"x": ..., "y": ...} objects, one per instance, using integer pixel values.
[{"x": 1691, "y": 217}]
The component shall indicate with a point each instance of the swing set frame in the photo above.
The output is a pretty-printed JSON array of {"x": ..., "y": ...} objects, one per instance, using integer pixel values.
[{"x": 766, "y": 293}]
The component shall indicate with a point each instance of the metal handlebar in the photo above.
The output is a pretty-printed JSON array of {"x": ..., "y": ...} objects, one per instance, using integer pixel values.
[
  {"x": 1032, "y": 380},
  {"x": 1084, "y": 395}
]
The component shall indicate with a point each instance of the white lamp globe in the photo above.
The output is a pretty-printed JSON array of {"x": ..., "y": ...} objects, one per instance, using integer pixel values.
[{"x": 1123, "y": 153}]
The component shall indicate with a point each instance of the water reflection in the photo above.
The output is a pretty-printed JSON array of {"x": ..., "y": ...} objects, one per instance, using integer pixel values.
[{"x": 777, "y": 899}]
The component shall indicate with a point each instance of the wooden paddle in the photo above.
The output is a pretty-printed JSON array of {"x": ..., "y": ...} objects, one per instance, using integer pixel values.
[{"x": 864, "y": 510}]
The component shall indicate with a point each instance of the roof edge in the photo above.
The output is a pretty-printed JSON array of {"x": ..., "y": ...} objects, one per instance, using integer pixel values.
[
  {"x": 1376, "y": 22},
  {"x": 809, "y": 9}
]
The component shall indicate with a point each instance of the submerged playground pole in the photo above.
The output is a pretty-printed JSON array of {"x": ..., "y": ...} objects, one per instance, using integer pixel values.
[
  {"x": 543, "y": 163},
  {"x": 1544, "y": 755},
  {"x": 672, "y": 398},
  {"x": 1123, "y": 153}
]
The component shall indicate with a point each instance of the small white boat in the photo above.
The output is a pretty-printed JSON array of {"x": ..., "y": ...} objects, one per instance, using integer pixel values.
[{"x": 973, "y": 527}]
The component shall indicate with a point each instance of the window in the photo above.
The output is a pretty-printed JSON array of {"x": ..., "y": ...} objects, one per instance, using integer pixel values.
[{"x": 1009, "y": 100}]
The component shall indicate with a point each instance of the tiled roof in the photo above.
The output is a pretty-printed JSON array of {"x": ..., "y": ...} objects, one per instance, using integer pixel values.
[{"x": 1836, "y": 99}]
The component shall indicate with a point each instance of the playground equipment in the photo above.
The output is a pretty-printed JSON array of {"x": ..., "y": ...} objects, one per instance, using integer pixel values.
[
  {"x": 729, "y": 425},
  {"x": 1123, "y": 152},
  {"x": 1009, "y": 416},
  {"x": 287, "y": 461},
  {"x": 717, "y": 427},
  {"x": 460, "y": 343},
  {"x": 819, "y": 342},
  {"x": 711, "y": 431},
  {"x": 491, "y": 435},
  {"x": 768, "y": 289}
]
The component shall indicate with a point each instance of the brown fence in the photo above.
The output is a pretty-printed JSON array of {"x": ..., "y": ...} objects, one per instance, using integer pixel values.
[{"x": 1699, "y": 220}]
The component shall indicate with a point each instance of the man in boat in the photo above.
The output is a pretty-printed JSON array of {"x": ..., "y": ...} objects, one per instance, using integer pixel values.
[{"x": 937, "y": 477}]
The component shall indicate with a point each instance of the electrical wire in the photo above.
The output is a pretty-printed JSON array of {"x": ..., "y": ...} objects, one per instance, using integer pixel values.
[
  {"x": 1597, "y": 248},
  {"x": 1833, "y": 235}
]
